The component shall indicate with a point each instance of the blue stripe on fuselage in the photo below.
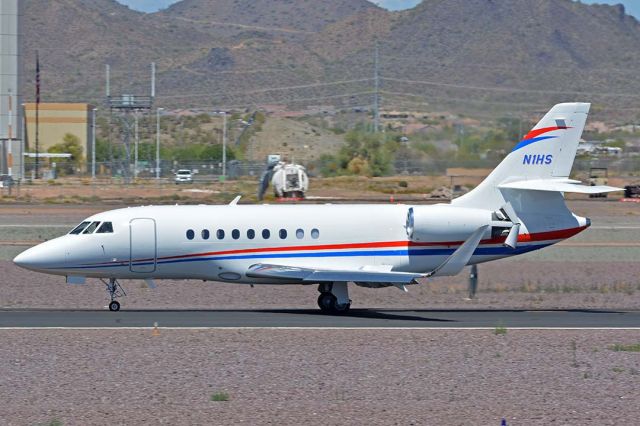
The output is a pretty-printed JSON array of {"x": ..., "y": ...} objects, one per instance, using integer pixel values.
[{"x": 481, "y": 251}]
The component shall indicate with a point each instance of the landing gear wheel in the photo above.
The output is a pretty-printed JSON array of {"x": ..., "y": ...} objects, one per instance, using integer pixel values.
[
  {"x": 341, "y": 309},
  {"x": 328, "y": 303},
  {"x": 115, "y": 290}
]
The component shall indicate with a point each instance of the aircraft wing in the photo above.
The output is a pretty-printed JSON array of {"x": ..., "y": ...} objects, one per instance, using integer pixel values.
[
  {"x": 297, "y": 274},
  {"x": 370, "y": 274}
]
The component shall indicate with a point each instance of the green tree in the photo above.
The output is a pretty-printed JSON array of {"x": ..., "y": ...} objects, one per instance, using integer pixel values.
[{"x": 70, "y": 145}]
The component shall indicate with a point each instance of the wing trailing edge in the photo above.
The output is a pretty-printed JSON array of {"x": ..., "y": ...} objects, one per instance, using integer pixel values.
[{"x": 558, "y": 185}]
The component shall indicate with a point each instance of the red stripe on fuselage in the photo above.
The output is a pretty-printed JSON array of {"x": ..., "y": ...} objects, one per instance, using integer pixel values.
[
  {"x": 540, "y": 236},
  {"x": 524, "y": 238}
]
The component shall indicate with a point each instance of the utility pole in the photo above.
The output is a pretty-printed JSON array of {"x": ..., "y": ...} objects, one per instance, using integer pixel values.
[
  {"x": 37, "y": 113},
  {"x": 224, "y": 146},
  {"x": 376, "y": 99},
  {"x": 135, "y": 149},
  {"x": 9, "y": 159},
  {"x": 93, "y": 144},
  {"x": 158, "y": 142}
]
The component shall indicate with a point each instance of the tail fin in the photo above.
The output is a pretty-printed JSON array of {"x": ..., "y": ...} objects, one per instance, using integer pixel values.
[{"x": 546, "y": 152}]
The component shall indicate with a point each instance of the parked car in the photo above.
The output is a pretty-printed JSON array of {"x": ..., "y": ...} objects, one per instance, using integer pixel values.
[
  {"x": 6, "y": 181},
  {"x": 183, "y": 176}
]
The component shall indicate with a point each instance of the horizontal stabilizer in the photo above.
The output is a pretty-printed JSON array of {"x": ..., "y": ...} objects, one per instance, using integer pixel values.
[{"x": 558, "y": 185}]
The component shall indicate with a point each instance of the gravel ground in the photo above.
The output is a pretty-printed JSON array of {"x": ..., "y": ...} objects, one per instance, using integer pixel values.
[
  {"x": 503, "y": 284},
  {"x": 319, "y": 377}
]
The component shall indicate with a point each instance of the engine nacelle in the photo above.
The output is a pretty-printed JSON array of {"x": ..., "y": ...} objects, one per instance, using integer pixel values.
[{"x": 443, "y": 223}]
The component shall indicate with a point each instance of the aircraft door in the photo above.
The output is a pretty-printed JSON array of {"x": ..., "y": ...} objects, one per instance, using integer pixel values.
[{"x": 143, "y": 245}]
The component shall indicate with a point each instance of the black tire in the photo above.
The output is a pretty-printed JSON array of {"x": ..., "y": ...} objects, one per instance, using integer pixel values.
[
  {"x": 326, "y": 302},
  {"x": 341, "y": 309},
  {"x": 114, "y": 306}
]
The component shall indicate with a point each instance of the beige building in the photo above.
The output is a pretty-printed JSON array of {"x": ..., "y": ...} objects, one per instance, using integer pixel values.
[{"x": 56, "y": 120}]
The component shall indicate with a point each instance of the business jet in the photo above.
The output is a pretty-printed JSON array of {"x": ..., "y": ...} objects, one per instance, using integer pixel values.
[{"x": 518, "y": 208}]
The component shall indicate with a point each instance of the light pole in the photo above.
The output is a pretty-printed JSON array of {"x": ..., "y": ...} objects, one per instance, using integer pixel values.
[
  {"x": 93, "y": 143},
  {"x": 224, "y": 146},
  {"x": 224, "y": 143},
  {"x": 158, "y": 142},
  {"x": 135, "y": 154}
]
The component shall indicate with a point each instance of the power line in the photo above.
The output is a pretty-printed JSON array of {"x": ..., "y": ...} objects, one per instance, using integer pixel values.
[
  {"x": 272, "y": 89},
  {"x": 477, "y": 101},
  {"x": 508, "y": 89}
]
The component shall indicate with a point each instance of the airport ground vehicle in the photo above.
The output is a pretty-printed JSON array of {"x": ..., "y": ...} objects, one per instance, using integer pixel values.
[
  {"x": 598, "y": 176},
  {"x": 518, "y": 208}
]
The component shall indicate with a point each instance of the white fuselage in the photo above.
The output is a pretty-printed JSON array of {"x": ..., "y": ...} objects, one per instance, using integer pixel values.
[{"x": 214, "y": 242}]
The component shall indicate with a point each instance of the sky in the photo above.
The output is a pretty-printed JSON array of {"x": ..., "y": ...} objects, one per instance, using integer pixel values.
[{"x": 632, "y": 6}]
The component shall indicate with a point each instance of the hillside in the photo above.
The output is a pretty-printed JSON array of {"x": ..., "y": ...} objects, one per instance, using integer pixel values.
[
  {"x": 475, "y": 55},
  {"x": 278, "y": 15}
]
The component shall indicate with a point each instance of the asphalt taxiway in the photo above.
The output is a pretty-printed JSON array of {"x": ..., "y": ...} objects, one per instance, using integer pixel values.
[{"x": 308, "y": 318}]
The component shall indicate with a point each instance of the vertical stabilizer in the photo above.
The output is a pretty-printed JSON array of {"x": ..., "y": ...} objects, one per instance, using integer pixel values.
[{"x": 546, "y": 152}]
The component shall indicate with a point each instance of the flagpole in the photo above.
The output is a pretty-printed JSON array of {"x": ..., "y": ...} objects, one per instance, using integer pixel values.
[{"x": 37, "y": 112}]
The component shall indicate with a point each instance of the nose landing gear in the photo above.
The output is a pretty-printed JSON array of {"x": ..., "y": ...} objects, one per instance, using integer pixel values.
[{"x": 115, "y": 290}]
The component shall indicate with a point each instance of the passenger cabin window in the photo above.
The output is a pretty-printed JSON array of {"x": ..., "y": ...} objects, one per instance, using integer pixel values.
[
  {"x": 266, "y": 234},
  {"x": 78, "y": 229},
  {"x": 105, "y": 228},
  {"x": 283, "y": 234},
  {"x": 220, "y": 234},
  {"x": 235, "y": 234},
  {"x": 300, "y": 234},
  {"x": 190, "y": 234},
  {"x": 251, "y": 234},
  {"x": 315, "y": 234},
  {"x": 205, "y": 234},
  {"x": 91, "y": 228}
]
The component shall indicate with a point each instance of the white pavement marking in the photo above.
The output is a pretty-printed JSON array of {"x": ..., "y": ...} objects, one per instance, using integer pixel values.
[
  {"x": 36, "y": 225},
  {"x": 615, "y": 227},
  {"x": 321, "y": 328}
]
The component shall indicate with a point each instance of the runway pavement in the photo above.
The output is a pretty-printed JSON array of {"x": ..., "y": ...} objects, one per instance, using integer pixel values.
[{"x": 302, "y": 318}]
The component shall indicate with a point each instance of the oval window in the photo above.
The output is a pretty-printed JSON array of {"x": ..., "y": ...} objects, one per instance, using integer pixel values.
[
  {"x": 251, "y": 234},
  {"x": 266, "y": 234},
  {"x": 315, "y": 234},
  {"x": 220, "y": 234},
  {"x": 190, "y": 234},
  {"x": 235, "y": 234},
  {"x": 300, "y": 234},
  {"x": 205, "y": 234},
  {"x": 283, "y": 234}
]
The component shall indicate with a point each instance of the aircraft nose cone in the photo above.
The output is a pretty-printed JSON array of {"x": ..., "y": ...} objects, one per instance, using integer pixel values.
[
  {"x": 39, "y": 258},
  {"x": 27, "y": 259}
]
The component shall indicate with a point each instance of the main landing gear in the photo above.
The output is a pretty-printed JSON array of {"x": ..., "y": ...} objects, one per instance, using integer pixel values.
[
  {"x": 115, "y": 290},
  {"x": 334, "y": 298}
]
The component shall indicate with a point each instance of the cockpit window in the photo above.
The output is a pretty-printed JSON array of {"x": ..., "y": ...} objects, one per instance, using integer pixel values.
[
  {"x": 91, "y": 228},
  {"x": 78, "y": 229},
  {"x": 105, "y": 228}
]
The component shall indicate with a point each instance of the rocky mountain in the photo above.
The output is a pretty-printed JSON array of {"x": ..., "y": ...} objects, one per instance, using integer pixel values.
[
  {"x": 486, "y": 55},
  {"x": 279, "y": 15}
]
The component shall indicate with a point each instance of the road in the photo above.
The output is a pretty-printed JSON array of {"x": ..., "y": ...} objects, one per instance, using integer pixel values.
[{"x": 303, "y": 318}]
